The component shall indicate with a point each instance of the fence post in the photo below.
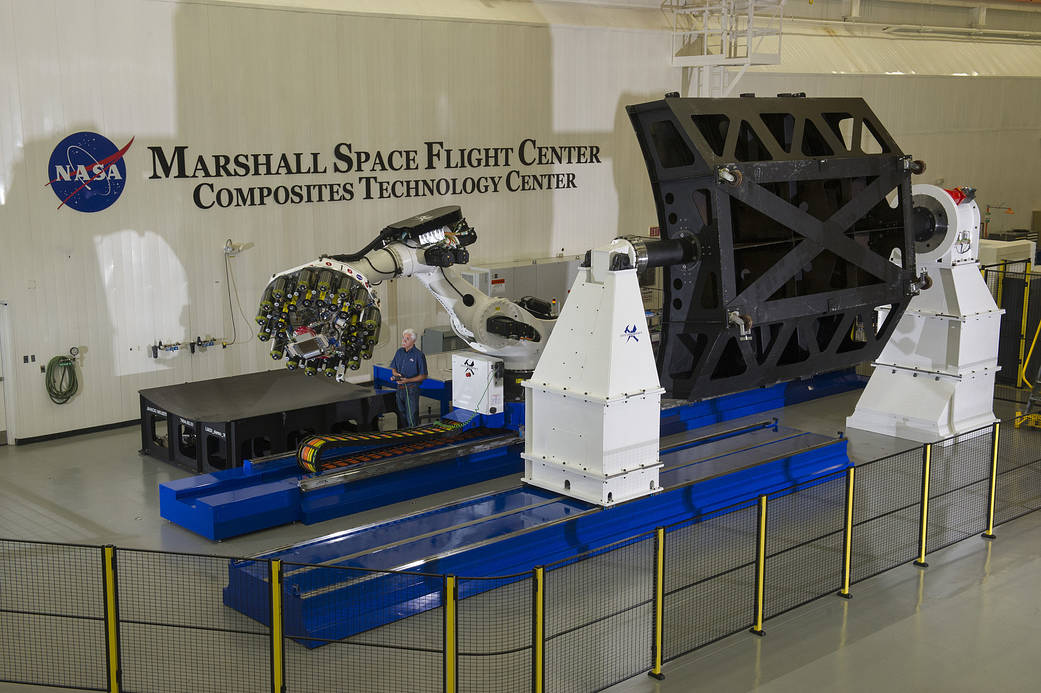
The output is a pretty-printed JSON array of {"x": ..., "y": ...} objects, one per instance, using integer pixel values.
[
  {"x": 278, "y": 677},
  {"x": 989, "y": 534},
  {"x": 659, "y": 598},
  {"x": 451, "y": 641},
  {"x": 1001, "y": 281},
  {"x": 1021, "y": 376},
  {"x": 927, "y": 455},
  {"x": 847, "y": 537},
  {"x": 538, "y": 631},
  {"x": 760, "y": 568},
  {"x": 111, "y": 619}
]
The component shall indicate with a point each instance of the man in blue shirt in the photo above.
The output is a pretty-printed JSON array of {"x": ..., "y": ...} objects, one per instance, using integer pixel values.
[{"x": 408, "y": 369}]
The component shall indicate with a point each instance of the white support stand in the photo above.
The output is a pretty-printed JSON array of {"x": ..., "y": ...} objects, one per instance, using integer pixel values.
[
  {"x": 593, "y": 404},
  {"x": 935, "y": 376}
]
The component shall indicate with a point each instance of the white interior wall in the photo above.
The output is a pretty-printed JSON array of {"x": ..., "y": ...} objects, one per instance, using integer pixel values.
[
  {"x": 220, "y": 78},
  {"x": 234, "y": 77},
  {"x": 981, "y": 132}
]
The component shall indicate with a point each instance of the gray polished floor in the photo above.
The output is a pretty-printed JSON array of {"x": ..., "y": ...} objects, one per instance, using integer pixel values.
[{"x": 967, "y": 622}]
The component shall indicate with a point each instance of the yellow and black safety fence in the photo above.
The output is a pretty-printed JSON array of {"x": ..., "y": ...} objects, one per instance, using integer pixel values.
[
  {"x": 599, "y": 611},
  {"x": 355, "y": 639},
  {"x": 1016, "y": 288},
  {"x": 1018, "y": 483},
  {"x": 923, "y": 522},
  {"x": 760, "y": 567},
  {"x": 110, "y": 619},
  {"x": 54, "y": 620},
  {"x": 449, "y": 600},
  {"x": 278, "y": 643},
  {"x": 657, "y": 650},
  {"x": 847, "y": 534}
]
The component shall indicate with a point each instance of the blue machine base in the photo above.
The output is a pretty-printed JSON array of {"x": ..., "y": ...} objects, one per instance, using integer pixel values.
[
  {"x": 331, "y": 591},
  {"x": 259, "y": 496},
  {"x": 250, "y": 498}
]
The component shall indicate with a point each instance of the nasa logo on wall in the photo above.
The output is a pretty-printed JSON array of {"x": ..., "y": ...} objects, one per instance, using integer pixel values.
[{"x": 87, "y": 172}]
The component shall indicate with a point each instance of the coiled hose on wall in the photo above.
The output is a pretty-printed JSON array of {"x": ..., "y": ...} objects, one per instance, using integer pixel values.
[{"x": 62, "y": 384}]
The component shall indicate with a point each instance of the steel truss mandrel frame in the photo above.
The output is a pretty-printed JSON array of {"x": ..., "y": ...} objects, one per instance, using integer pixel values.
[{"x": 802, "y": 210}]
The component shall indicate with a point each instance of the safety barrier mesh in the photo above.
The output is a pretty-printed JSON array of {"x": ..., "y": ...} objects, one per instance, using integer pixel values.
[
  {"x": 709, "y": 580},
  {"x": 175, "y": 632},
  {"x": 1019, "y": 471},
  {"x": 887, "y": 498},
  {"x": 996, "y": 276},
  {"x": 52, "y": 615},
  {"x": 1009, "y": 285},
  {"x": 494, "y": 617},
  {"x": 959, "y": 487},
  {"x": 804, "y": 545},
  {"x": 1009, "y": 393},
  {"x": 600, "y": 616},
  {"x": 200, "y": 623},
  {"x": 371, "y": 631}
]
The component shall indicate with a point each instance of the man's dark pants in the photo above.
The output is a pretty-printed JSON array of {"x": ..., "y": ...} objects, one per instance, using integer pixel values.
[{"x": 408, "y": 405}]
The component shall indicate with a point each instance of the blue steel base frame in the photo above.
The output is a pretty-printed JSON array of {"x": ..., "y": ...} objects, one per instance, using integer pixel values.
[
  {"x": 253, "y": 497},
  {"x": 511, "y": 531},
  {"x": 259, "y": 496}
]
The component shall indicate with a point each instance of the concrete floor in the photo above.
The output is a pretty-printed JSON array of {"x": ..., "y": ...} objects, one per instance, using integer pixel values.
[
  {"x": 969, "y": 622},
  {"x": 964, "y": 623},
  {"x": 96, "y": 489}
]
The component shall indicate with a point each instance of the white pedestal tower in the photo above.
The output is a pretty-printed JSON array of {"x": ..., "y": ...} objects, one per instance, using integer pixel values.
[
  {"x": 935, "y": 377},
  {"x": 593, "y": 404}
]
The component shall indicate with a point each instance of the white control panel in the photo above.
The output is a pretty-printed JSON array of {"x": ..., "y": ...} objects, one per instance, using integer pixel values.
[{"x": 477, "y": 381}]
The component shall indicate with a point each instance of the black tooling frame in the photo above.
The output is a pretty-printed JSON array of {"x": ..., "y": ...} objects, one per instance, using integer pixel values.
[{"x": 787, "y": 199}]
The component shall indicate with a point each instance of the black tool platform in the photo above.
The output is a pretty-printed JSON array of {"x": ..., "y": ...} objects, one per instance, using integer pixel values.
[{"x": 216, "y": 424}]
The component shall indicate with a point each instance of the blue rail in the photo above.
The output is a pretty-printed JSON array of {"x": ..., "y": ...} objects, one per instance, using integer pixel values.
[
  {"x": 260, "y": 495},
  {"x": 334, "y": 587}
]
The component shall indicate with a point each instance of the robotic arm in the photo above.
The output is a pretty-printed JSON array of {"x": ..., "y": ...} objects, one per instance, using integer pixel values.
[{"x": 325, "y": 315}]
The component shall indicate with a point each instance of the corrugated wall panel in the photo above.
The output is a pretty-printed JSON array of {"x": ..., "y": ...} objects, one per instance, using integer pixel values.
[
  {"x": 226, "y": 79},
  {"x": 980, "y": 132},
  {"x": 834, "y": 49},
  {"x": 220, "y": 78}
]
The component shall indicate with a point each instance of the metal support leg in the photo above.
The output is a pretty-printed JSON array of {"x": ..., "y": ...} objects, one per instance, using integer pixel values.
[
  {"x": 659, "y": 597},
  {"x": 111, "y": 620},
  {"x": 278, "y": 677},
  {"x": 451, "y": 640},
  {"x": 847, "y": 537},
  {"x": 989, "y": 534},
  {"x": 926, "y": 463},
  {"x": 760, "y": 568},
  {"x": 538, "y": 635},
  {"x": 1021, "y": 375}
]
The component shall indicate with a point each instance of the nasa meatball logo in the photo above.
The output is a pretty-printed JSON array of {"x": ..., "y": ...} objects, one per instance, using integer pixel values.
[{"x": 87, "y": 172}]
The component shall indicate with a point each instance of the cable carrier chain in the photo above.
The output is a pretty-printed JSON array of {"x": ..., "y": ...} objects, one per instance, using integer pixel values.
[{"x": 801, "y": 211}]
